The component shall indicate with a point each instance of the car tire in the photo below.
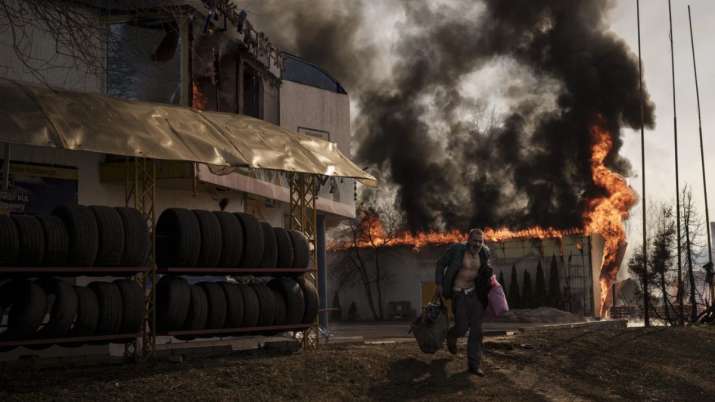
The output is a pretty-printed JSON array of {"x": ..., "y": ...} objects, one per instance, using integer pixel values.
[
  {"x": 252, "y": 241},
  {"x": 110, "y": 308},
  {"x": 217, "y": 307},
  {"x": 281, "y": 311},
  {"x": 232, "y": 238},
  {"x": 32, "y": 240},
  {"x": 295, "y": 301},
  {"x": 285, "y": 248},
  {"x": 301, "y": 252},
  {"x": 9, "y": 241},
  {"x": 266, "y": 304},
  {"x": 87, "y": 318},
  {"x": 173, "y": 301},
  {"x": 132, "y": 306},
  {"x": 211, "y": 241},
  {"x": 198, "y": 310},
  {"x": 178, "y": 238},
  {"x": 64, "y": 308},
  {"x": 251, "y": 308},
  {"x": 234, "y": 305},
  {"x": 136, "y": 238},
  {"x": 111, "y": 236},
  {"x": 270, "y": 246},
  {"x": 83, "y": 234},
  {"x": 29, "y": 305},
  {"x": 57, "y": 241},
  {"x": 312, "y": 303}
]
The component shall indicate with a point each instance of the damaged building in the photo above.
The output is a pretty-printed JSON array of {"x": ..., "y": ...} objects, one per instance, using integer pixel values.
[
  {"x": 185, "y": 70},
  {"x": 185, "y": 55},
  {"x": 406, "y": 275}
]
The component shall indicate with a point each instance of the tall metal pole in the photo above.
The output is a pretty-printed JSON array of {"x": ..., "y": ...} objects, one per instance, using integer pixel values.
[
  {"x": 702, "y": 152},
  {"x": 646, "y": 293},
  {"x": 677, "y": 183}
]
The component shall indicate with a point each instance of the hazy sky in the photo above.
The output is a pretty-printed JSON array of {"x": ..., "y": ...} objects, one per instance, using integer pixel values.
[
  {"x": 660, "y": 163},
  {"x": 384, "y": 26},
  {"x": 659, "y": 144}
]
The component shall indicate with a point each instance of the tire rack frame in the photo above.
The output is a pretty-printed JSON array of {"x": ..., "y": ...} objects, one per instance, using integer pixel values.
[
  {"x": 31, "y": 271},
  {"x": 304, "y": 190},
  {"x": 140, "y": 193}
]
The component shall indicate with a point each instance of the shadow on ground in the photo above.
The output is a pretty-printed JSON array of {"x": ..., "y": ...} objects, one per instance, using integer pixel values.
[{"x": 411, "y": 378}]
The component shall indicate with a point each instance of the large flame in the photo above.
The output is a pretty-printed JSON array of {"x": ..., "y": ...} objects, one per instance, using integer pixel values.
[{"x": 605, "y": 215}]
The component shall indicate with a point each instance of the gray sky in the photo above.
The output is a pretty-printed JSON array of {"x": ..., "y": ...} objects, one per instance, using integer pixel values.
[
  {"x": 659, "y": 145},
  {"x": 385, "y": 25}
]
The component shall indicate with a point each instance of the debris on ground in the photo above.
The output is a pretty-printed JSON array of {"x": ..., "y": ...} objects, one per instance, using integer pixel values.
[
  {"x": 545, "y": 315},
  {"x": 585, "y": 363}
]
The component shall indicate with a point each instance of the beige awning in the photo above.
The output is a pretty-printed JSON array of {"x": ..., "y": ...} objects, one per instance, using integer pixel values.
[{"x": 37, "y": 115}]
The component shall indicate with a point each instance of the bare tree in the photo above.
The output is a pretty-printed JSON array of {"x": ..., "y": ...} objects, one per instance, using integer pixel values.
[
  {"x": 370, "y": 235},
  {"x": 661, "y": 249},
  {"x": 80, "y": 35},
  {"x": 695, "y": 251},
  {"x": 662, "y": 258}
]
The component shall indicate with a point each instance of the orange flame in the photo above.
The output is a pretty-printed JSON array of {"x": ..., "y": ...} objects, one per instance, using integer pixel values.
[
  {"x": 198, "y": 99},
  {"x": 605, "y": 215},
  {"x": 372, "y": 234}
]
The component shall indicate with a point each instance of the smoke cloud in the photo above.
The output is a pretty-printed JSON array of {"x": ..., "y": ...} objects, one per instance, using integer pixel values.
[{"x": 454, "y": 165}]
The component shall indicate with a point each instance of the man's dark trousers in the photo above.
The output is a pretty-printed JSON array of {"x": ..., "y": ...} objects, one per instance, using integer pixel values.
[{"x": 468, "y": 311}]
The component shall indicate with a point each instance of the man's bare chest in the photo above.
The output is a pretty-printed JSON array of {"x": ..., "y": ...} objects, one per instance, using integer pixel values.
[{"x": 470, "y": 262}]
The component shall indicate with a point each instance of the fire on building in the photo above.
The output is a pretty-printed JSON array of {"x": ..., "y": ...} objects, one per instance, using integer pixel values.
[{"x": 584, "y": 260}]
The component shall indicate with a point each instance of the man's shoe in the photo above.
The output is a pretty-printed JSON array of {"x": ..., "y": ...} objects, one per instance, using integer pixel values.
[
  {"x": 476, "y": 371},
  {"x": 452, "y": 344}
]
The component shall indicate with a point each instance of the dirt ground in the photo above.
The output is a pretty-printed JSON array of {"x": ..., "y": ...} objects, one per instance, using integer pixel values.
[{"x": 564, "y": 364}]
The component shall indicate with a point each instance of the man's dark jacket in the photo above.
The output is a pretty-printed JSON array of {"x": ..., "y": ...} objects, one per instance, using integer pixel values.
[{"x": 451, "y": 262}]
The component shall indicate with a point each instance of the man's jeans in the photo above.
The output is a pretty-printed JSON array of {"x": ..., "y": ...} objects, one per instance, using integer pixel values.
[{"x": 468, "y": 311}]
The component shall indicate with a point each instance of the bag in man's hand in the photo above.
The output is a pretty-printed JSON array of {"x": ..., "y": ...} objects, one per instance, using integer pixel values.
[
  {"x": 430, "y": 328},
  {"x": 498, "y": 304}
]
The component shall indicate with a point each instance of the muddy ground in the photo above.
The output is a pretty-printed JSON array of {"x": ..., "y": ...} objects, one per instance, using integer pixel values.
[{"x": 566, "y": 364}]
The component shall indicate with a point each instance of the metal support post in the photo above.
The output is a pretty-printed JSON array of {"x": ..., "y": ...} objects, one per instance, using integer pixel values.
[
  {"x": 140, "y": 193},
  {"x": 322, "y": 274},
  {"x": 303, "y": 218}
]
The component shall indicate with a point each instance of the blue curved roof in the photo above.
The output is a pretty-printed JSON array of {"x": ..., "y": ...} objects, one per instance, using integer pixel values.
[{"x": 303, "y": 72}]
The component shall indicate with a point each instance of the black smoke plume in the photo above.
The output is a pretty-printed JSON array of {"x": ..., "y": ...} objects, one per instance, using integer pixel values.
[{"x": 532, "y": 165}]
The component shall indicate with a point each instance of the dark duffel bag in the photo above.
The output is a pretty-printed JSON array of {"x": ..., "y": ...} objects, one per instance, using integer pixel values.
[{"x": 430, "y": 328}]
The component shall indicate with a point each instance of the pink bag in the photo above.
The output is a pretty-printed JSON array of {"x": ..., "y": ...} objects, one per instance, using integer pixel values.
[{"x": 497, "y": 300}]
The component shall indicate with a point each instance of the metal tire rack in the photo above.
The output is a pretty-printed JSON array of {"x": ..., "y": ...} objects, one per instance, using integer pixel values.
[
  {"x": 129, "y": 340},
  {"x": 140, "y": 193},
  {"x": 140, "y": 273}
]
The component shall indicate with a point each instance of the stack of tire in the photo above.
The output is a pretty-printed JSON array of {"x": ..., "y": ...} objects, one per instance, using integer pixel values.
[
  {"x": 199, "y": 238},
  {"x": 53, "y": 308},
  {"x": 77, "y": 236},
  {"x": 226, "y": 305}
]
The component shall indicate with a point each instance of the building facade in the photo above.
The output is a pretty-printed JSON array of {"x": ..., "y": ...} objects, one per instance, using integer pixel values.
[{"x": 407, "y": 275}]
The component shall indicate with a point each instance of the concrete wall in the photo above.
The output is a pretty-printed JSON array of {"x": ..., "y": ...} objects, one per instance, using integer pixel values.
[{"x": 405, "y": 272}]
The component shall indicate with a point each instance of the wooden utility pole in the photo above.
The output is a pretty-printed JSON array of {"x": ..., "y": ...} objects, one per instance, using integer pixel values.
[
  {"x": 646, "y": 292},
  {"x": 702, "y": 152},
  {"x": 677, "y": 183}
]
